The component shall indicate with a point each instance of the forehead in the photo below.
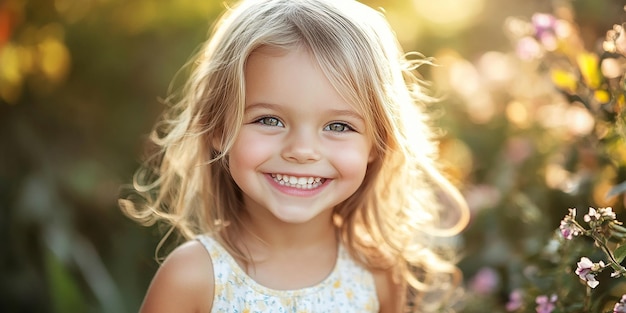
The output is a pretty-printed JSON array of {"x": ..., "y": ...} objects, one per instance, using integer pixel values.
[
  {"x": 292, "y": 75},
  {"x": 296, "y": 67}
]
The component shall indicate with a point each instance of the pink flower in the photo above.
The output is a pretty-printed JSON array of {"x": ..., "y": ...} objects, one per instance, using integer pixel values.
[
  {"x": 569, "y": 228},
  {"x": 545, "y": 304},
  {"x": 587, "y": 270},
  {"x": 543, "y": 23},
  {"x": 601, "y": 214},
  {"x": 545, "y": 30},
  {"x": 485, "y": 281},
  {"x": 515, "y": 300}
]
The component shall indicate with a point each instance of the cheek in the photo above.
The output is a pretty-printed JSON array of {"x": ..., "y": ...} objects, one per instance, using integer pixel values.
[
  {"x": 248, "y": 151},
  {"x": 352, "y": 160}
]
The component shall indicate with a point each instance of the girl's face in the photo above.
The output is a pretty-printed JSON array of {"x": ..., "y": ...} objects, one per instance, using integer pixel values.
[{"x": 302, "y": 148}]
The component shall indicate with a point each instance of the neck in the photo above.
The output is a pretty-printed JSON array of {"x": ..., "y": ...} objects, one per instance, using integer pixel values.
[{"x": 265, "y": 231}]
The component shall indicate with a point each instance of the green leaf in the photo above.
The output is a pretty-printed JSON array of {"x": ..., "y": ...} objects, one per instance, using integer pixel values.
[
  {"x": 620, "y": 253},
  {"x": 616, "y": 190},
  {"x": 65, "y": 292}
]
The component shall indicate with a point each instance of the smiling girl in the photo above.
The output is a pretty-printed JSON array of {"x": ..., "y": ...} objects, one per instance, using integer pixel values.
[{"x": 301, "y": 170}]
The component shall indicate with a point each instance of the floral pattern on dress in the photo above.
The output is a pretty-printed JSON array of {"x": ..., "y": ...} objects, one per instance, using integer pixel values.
[{"x": 348, "y": 288}]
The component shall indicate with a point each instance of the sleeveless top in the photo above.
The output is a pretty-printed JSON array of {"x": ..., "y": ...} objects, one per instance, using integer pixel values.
[{"x": 348, "y": 288}]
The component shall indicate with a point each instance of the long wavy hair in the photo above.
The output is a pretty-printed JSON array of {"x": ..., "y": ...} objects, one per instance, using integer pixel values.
[{"x": 403, "y": 207}]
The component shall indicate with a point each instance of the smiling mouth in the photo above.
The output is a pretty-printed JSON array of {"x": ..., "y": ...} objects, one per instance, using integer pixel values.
[{"x": 298, "y": 182}]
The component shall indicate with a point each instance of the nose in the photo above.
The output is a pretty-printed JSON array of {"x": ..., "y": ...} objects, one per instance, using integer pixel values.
[{"x": 301, "y": 146}]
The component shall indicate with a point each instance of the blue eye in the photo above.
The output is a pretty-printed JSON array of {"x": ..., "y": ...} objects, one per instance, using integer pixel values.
[
  {"x": 270, "y": 121},
  {"x": 338, "y": 127}
]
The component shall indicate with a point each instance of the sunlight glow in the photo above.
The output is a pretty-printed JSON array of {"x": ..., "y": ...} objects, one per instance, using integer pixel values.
[
  {"x": 517, "y": 113},
  {"x": 449, "y": 16}
]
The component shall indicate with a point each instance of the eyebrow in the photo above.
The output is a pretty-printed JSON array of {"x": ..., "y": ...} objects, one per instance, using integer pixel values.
[
  {"x": 263, "y": 105},
  {"x": 349, "y": 113}
]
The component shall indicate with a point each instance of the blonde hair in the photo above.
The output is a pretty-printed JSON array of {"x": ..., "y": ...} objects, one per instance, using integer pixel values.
[{"x": 392, "y": 220}]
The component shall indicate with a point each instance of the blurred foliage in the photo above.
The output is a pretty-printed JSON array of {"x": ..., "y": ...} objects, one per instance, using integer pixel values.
[
  {"x": 79, "y": 82},
  {"x": 555, "y": 101},
  {"x": 79, "y": 88}
]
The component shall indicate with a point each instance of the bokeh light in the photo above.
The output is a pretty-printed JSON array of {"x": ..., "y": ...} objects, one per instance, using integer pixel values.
[{"x": 447, "y": 17}]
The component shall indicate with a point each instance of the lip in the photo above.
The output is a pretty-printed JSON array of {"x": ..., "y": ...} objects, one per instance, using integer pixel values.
[{"x": 298, "y": 192}]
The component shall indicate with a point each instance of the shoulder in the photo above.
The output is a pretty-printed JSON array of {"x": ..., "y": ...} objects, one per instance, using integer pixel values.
[
  {"x": 183, "y": 283},
  {"x": 390, "y": 291}
]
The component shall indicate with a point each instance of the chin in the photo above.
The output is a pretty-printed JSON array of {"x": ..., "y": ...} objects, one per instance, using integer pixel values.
[{"x": 296, "y": 216}]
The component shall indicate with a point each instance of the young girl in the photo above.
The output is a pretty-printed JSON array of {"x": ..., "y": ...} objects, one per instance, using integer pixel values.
[{"x": 300, "y": 168}]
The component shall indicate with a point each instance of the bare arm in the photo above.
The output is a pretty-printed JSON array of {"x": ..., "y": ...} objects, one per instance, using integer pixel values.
[
  {"x": 391, "y": 294},
  {"x": 183, "y": 283}
]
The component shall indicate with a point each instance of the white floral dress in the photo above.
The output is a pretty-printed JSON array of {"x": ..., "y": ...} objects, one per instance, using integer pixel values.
[{"x": 348, "y": 288}]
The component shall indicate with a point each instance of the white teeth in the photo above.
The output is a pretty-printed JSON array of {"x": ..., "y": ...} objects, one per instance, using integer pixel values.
[{"x": 298, "y": 182}]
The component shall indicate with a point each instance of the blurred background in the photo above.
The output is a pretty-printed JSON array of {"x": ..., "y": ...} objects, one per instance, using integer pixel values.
[{"x": 80, "y": 83}]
